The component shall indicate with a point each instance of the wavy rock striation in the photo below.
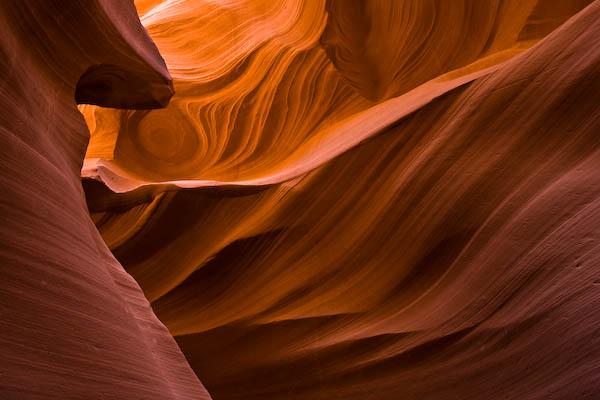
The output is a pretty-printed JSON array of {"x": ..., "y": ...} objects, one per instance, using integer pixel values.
[
  {"x": 73, "y": 323},
  {"x": 337, "y": 204},
  {"x": 343, "y": 200}
]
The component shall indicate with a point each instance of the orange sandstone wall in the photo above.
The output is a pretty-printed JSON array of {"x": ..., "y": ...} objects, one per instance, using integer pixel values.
[
  {"x": 318, "y": 199},
  {"x": 366, "y": 199}
]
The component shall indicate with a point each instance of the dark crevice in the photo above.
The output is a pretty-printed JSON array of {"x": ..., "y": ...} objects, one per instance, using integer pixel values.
[{"x": 112, "y": 86}]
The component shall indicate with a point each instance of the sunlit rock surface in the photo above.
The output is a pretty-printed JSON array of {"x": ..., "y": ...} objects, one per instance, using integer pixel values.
[
  {"x": 367, "y": 199},
  {"x": 343, "y": 199}
]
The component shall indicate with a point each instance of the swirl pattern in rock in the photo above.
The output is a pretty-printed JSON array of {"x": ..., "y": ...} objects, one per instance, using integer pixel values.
[{"x": 366, "y": 199}]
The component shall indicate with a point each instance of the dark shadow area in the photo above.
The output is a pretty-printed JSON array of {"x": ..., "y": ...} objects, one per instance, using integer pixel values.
[{"x": 111, "y": 86}]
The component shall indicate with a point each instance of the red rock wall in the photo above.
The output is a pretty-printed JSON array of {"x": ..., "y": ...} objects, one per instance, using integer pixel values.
[
  {"x": 73, "y": 323},
  {"x": 343, "y": 199},
  {"x": 367, "y": 199}
]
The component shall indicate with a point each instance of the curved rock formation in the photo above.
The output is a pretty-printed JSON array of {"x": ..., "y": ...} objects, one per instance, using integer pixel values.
[
  {"x": 73, "y": 323},
  {"x": 344, "y": 199},
  {"x": 235, "y": 120},
  {"x": 385, "y": 48},
  {"x": 366, "y": 200},
  {"x": 337, "y": 247}
]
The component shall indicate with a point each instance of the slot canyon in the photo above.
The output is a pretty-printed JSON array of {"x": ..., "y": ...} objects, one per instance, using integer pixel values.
[{"x": 300, "y": 199}]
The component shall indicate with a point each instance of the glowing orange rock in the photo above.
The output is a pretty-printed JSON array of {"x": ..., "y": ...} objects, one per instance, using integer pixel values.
[{"x": 397, "y": 200}]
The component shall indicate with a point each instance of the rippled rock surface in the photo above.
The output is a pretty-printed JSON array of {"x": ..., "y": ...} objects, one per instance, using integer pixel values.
[
  {"x": 73, "y": 323},
  {"x": 343, "y": 199}
]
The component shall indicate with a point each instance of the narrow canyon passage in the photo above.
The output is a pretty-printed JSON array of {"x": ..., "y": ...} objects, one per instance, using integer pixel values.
[
  {"x": 362, "y": 200},
  {"x": 300, "y": 199}
]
